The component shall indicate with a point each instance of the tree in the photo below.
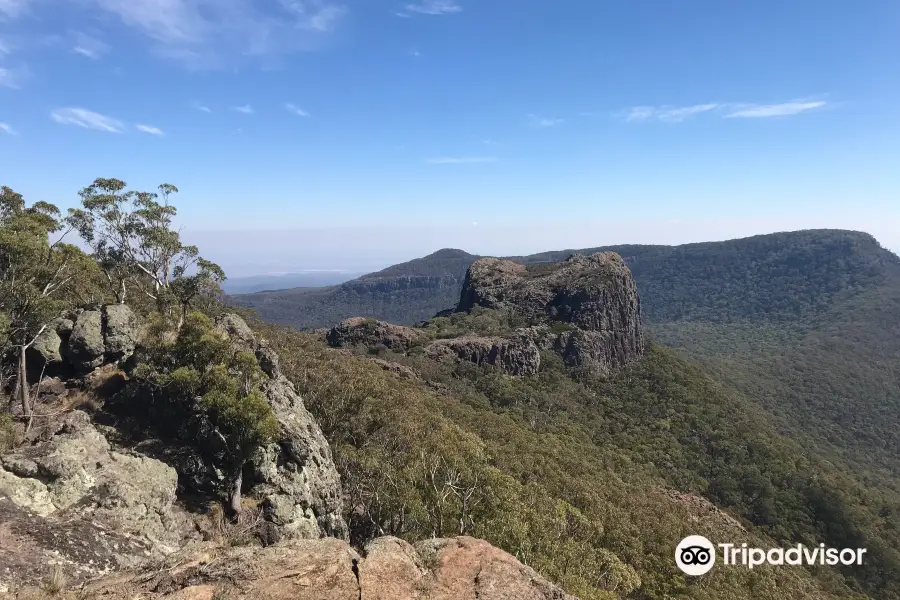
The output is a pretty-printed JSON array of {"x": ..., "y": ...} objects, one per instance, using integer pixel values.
[
  {"x": 38, "y": 279},
  {"x": 132, "y": 236},
  {"x": 201, "y": 369}
]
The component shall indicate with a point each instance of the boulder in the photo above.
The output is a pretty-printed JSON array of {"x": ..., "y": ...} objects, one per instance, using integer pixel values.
[
  {"x": 86, "y": 347},
  {"x": 93, "y": 508},
  {"x": 120, "y": 331},
  {"x": 442, "y": 569},
  {"x": 368, "y": 332},
  {"x": 519, "y": 356},
  {"x": 46, "y": 349}
]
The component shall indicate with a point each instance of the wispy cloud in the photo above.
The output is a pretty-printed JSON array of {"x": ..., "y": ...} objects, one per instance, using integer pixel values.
[
  {"x": 668, "y": 114},
  {"x": 246, "y": 109},
  {"x": 785, "y": 109},
  {"x": 430, "y": 7},
  {"x": 81, "y": 117},
  {"x": 6, "y": 128},
  {"x": 544, "y": 122},
  {"x": 88, "y": 46},
  {"x": 204, "y": 34},
  {"x": 13, "y": 78},
  {"x": 461, "y": 160},
  {"x": 296, "y": 110},
  {"x": 12, "y": 8},
  {"x": 677, "y": 114},
  {"x": 5, "y": 47},
  {"x": 201, "y": 107},
  {"x": 149, "y": 129}
]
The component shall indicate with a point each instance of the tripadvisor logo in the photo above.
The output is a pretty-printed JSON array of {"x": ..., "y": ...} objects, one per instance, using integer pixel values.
[{"x": 696, "y": 555}]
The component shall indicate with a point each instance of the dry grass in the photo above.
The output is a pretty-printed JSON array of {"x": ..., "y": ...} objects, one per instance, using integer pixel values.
[{"x": 55, "y": 583}]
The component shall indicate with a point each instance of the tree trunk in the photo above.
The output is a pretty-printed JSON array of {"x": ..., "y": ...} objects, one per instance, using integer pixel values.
[
  {"x": 234, "y": 494},
  {"x": 23, "y": 385}
]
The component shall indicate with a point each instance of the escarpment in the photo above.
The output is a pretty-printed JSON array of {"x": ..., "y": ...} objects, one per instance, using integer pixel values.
[{"x": 586, "y": 310}]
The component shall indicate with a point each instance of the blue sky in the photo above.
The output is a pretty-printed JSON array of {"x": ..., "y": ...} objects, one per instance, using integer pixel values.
[{"x": 350, "y": 133}]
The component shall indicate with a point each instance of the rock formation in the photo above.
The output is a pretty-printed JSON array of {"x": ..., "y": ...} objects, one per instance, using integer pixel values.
[
  {"x": 72, "y": 501},
  {"x": 294, "y": 479},
  {"x": 84, "y": 340},
  {"x": 515, "y": 356},
  {"x": 440, "y": 569},
  {"x": 370, "y": 333},
  {"x": 586, "y": 309}
]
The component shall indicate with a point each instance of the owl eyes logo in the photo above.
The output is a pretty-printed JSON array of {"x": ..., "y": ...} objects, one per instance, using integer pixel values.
[{"x": 695, "y": 555}]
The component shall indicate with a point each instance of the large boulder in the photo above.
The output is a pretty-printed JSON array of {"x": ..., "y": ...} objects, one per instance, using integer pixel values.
[
  {"x": 441, "y": 569},
  {"x": 120, "y": 331},
  {"x": 586, "y": 308},
  {"x": 359, "y": 331},
  {"x": 86, "y": 347},
  {"x": 92, "y": 508}
]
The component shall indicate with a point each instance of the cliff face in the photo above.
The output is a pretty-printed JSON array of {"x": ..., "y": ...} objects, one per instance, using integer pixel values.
[{"x": 586, "y": 309}]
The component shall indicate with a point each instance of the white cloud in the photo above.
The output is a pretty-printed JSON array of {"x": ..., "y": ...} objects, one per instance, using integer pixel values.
[
  {"x": 88, "y": 119},
  {"x": 757, "y": 111},
  {"x": 544, "y": 122},
  {"x": 668, "y": 114},
  {"x": 12, "y": 8},
  {"x": 246, "y": 109},
  {"x": 89, "y": 46},
  {"x": 5, "y": 47},
  {"x": 149, "y": 129},
  {"x": 431, "y": 7},
  {"x": 677, "y": 114},
  {"x": 217, "y": 33},
  {"x": 296, "y": 110},
  {"x": 202, "y": 107},
  {"x": 461, "y": 160},
  {"x": 6, "y": 128}
]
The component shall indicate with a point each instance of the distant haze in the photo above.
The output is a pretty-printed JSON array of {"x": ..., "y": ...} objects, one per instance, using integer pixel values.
[{"x": 353, "y": 250}]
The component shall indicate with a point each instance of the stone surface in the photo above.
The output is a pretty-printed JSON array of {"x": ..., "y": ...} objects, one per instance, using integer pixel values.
[
  {"x": 47, "y": 348},
  {"x": 72, "y": 495},
  {"x": 586, "y": 309},
  {"x": 519, "y": 356},
  {"x": 360, "y": 331},
  {"x": 120, "y": 331},
  {"x": 401, "y": 370},
  {"x": 447, "y": 569},
  {"x": 86, "y": 346},
  {"x": 295, "y": 477}
]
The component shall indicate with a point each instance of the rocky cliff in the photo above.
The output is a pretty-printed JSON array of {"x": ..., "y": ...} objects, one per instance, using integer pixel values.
[{"x": 586, "y": 309}]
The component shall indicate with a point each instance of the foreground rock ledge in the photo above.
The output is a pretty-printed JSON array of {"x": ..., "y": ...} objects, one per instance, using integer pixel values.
[{"x": 446, "y": 569}]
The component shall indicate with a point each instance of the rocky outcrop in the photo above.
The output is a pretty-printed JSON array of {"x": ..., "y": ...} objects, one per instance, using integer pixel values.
[
  {"x": 586, "y": 309},
  {"x": 442, "y": 569},
  {"x": 72, "y": 500},
  {"x": 519, "y": 356},
  {"x": 294, "y": 479},
  {"x": 360, "y": 331},
  {"x": 84, "y": 340}
]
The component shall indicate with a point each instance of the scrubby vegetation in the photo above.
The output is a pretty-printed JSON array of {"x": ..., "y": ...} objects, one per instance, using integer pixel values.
[{"x": 568, "y": 474}]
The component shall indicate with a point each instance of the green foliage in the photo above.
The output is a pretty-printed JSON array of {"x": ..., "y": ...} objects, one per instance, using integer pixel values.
[
  {"x": 134, "y": 241},
  {"x": 573, "y": 477},
  {"x": 201, "y": 363}
]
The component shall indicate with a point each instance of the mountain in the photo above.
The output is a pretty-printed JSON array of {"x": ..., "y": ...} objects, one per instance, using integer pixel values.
[
  {"x": 404, "y": 293},
  {"x": 261, "y": 283},
  {"x": 579, "y": 446}
]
